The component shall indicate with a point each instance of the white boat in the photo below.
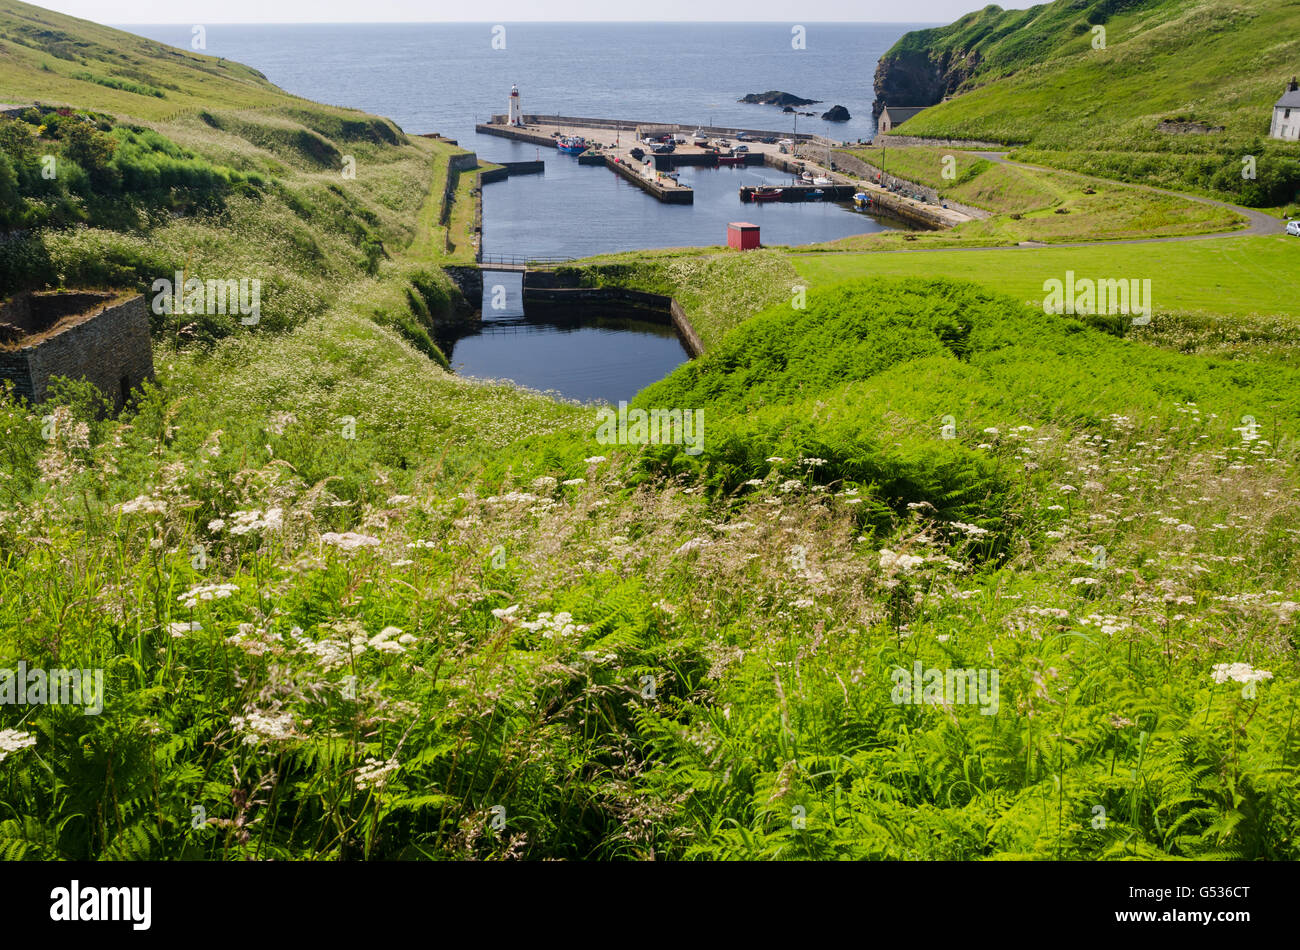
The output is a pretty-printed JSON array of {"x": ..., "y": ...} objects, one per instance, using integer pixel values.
[{"x": 822, "y": 180}]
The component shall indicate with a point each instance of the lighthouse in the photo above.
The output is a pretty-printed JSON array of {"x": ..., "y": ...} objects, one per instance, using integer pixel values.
[{"x": 516, "y": 116}]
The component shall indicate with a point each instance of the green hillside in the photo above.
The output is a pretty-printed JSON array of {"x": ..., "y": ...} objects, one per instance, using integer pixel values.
[
  {"x": 166, "y": 161},
  {"x": 62, "y": 60},
  {"x": 349, "y": 606},
  {"x": 1033, "y": 78}
]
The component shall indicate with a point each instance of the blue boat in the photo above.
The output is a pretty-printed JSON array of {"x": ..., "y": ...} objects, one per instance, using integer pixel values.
[
  {"x": 573, "y": 144},
  {"x": 815, "y": 195},
  {"x": 861, "y": 198}
]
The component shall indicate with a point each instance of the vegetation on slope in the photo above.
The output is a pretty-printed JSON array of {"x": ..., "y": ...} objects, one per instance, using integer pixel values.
[
  {"x": 318, "y": 204},
  {"x": 470, "y": 610},
  {"x": 349, "y": 606},
  {"x": 1033, "y": 77}
]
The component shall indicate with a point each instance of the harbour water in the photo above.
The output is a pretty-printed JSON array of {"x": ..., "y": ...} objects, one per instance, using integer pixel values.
[
  {"x": 597, "y": 357},
  {"x": 445, "y": 78}
]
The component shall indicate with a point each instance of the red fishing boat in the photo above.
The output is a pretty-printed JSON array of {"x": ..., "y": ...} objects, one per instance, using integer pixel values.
[
  {"x": 731, "y": 159},
  {"x": 766, "y": 194}
]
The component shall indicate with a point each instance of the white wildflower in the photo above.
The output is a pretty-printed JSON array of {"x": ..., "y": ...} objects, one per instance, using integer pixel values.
[{"x": 349, "y": 540}]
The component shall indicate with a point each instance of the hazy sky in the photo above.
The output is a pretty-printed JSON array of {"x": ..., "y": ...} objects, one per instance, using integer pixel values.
[{"x": 506, "y": 11}]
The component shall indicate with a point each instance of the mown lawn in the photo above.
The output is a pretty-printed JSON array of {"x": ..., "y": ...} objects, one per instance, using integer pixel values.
[{"x": 1231, "y": 276}]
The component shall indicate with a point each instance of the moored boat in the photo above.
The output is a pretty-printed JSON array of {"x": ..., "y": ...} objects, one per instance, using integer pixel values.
[
  {"x": 822, "y": 180},
  {"x": 573, "y": 144},
  {"x": 815, "y": 195},
  {"x": 861, "y": 198},
  {"x": 731, "y": 159},
  {"x": 766, "y": 194}
]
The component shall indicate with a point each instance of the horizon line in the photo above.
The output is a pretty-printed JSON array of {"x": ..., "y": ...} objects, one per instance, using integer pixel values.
[{"x": 504, "y": 21}]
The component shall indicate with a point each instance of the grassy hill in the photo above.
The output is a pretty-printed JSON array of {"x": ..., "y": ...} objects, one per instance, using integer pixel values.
[
  {"x": 62, "y": 60},
  {"x": 172, "y": 161},
  {"x": 1033, "y": 78},
  {"x": 350, "y": 606}
]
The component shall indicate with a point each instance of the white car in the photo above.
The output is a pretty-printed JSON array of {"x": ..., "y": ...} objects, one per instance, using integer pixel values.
[{"x": 1293, "y": 228}]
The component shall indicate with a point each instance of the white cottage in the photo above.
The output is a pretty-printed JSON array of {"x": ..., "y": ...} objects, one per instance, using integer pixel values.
[{"x": 1286, "y": 114}]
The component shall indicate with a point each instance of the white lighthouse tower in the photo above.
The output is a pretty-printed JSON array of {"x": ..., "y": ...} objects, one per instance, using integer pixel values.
[{"x": 516, "y": 116}]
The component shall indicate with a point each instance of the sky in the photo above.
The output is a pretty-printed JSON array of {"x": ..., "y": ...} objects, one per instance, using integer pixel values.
[{"x": 508, "y": 11}]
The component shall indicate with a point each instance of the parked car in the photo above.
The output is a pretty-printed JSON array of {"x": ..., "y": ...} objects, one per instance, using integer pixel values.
[
  {"x": 1293, "y": 228},
  {"x": 741, "y": 148}
]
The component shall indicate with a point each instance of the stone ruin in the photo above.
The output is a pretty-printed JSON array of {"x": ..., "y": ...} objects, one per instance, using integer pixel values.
[{"x": 100, "y": 336}]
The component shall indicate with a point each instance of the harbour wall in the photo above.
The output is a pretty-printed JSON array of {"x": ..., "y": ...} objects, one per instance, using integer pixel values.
[
  {"x": 507, "y": 169},
  {"x": 629, "y": 125}
]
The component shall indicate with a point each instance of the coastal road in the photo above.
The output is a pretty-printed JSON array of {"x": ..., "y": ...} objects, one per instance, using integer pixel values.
[{"x": 1259, "y": 222}]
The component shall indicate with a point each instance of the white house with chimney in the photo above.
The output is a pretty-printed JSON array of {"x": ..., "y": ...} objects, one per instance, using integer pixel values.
[{"x": 1286, "y": 114}]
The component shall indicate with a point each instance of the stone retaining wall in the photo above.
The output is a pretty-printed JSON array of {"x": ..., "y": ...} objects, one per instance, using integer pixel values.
[
  {"x": 903, "y": 140},
  {"x": 851, "y": 163}
]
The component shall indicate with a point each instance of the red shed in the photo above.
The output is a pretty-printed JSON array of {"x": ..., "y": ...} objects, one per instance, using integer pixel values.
[{"x": 742, "y": 235}]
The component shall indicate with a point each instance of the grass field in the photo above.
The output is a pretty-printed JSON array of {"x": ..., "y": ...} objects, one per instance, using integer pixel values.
[{"x": 1230, "y": 276}]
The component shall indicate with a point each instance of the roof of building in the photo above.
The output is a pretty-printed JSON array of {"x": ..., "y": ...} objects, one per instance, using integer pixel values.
[
  {"x": 1290, "y": 100},
  {"x": 899, "y": 114}
]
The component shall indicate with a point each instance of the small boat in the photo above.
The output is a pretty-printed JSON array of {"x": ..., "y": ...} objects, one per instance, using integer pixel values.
[
  {"x": 815, "y": 195},
  {"x": 822, "y": 180},
  {"x": 731, "y": 159},
  {"x": 573, "y": 144},
  {"x": 861, "y": 198},
  {"x": 806, "y": 177},
  {"x": 766, "y": 194}
]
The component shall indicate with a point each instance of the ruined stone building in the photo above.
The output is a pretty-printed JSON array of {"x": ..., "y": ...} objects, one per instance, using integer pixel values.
[{"x": 99, "y": 336}]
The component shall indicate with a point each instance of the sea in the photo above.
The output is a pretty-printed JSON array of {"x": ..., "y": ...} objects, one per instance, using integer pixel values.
[{"x": 447, "y": 77}]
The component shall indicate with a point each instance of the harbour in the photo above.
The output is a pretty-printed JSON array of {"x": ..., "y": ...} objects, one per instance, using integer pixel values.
[{"x": 648, "y": 155}]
